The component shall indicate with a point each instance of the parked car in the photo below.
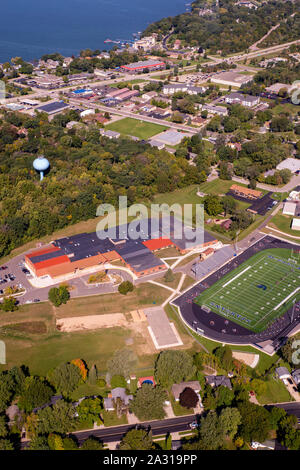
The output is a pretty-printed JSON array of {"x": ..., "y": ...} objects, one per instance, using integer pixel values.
[
  {"x": 193, "y": 425},
  {"x": 36, "y": 300}
]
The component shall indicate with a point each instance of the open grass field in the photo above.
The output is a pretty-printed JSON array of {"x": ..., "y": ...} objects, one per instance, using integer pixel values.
[
  {"x": 257, "y": 292},
  {"x": 137, "y": 128},
  {"x": 283, "y": 223}
]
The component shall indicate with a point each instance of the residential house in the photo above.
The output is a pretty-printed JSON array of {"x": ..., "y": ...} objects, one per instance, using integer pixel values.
[
  {"x": 177, "y": 389},
  {"x": 116, "y": 393},
  {"x": 282, "y": 373},
  {"x": 110, "y": 134},
  {"x": 218, "y": 381},
  {"x": 296, "y": 376}
]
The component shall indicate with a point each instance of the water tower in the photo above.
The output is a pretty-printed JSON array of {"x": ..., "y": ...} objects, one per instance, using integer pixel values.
[{"x": 41, "y": 164}]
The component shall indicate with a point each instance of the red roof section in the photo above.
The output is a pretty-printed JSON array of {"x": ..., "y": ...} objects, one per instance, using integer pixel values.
[
  {"x": 43, "y": 252},
  {"x": 158, "y": 243},
  {"x": 52, "y": 262}
]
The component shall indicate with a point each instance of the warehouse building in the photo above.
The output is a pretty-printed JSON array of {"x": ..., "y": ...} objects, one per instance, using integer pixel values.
[{"x": 137, "y": 67}]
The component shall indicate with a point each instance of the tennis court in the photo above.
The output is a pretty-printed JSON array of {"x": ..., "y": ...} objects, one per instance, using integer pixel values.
[{"x": 257, "y": 292}]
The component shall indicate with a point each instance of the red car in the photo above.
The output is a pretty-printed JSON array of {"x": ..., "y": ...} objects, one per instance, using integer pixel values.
[{"x": 3, "y": 267}]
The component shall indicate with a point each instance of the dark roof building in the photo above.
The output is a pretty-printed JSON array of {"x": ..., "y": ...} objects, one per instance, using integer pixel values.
[
  {"x": 218, "y": 380},
  {"x": 131, "y": 243},
  {"x": 52, "y": 108}
]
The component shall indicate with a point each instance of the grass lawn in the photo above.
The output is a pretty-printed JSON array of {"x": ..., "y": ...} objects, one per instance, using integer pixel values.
[
  {"x": 257, "y": 292},
  {"x": 285, "y": 107},
  {"x": 110, "y": 418},
  {"x": 43, "y": 353},
  {"x": 130, "y": 82},
  {"x": 137, "y": 128},
  {"x": 178, "y": 409},
  {"x": 276, "y": 392},
  {"x": 172, "y": 284},
  {"x": 283, "y": 223},
  {"x": 144, "y": 295},
  {"x": 189, "y": 281}
]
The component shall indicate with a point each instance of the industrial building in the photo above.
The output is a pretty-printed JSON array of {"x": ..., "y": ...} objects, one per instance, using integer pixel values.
[
  {"x": 73, "y": 254},
  {"x": 137, "y": 67},
  {"x": 231, "y": 78}
]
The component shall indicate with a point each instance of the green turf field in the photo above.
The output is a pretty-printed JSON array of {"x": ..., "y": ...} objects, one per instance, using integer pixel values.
[{"x": 258, "y": 291}]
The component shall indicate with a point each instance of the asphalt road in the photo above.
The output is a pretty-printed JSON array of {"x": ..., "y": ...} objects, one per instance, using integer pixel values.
[
  {"x": 291, "y": 408},
  {"x": 116, "y": 433}
]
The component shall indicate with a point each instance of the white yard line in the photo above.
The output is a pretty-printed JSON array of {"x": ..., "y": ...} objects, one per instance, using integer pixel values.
[
  {"x": 235, "y": 277},
  {"x": 287, "y": 298}
]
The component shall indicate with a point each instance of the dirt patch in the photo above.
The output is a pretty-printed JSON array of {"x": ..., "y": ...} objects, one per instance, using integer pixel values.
[
  {"x": 91, "y": 322},
  {"x": 246, "y": 358},
  {"x": 34, "y": 327}
]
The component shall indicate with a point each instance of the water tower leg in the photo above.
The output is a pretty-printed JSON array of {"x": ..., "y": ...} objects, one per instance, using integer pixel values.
[{"x": 42, "y": 175}]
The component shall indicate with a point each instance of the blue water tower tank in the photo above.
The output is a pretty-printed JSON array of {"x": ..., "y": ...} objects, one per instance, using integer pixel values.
[{"x": 41, "y": 164}]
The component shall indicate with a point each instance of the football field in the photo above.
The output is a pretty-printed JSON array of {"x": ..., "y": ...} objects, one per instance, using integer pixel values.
[{"x": 258, "y": 291}]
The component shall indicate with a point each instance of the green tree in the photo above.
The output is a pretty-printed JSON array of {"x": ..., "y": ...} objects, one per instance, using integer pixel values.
[
  {"x": 9, "y": 304},
  {"x": 137, "y": 439},
  {"x": 35, "y": 393},
  {"x": 92, "y": 443},
  {"x": 256, "y": 423},
  {"x": 66, "y": 378},
  {"x": 6, "y": 444},
  {"x": 89, "y": 410},
  {"x": 125, "y": 287},
  {"x": 56, "y": 419},
  {"x": 3, "y": 426},
  {"x": 230, "y": 419},
  {"x": 213, "y": 205},
  {"x": 169, "y": 276},
  {"x": 148, "y": 403},
  {"x": 122, "y": 363},
  {"x": 173, "y": 367}
]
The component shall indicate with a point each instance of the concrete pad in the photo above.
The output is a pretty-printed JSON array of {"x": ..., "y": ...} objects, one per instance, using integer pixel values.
[{"x": 162, "y": 332}]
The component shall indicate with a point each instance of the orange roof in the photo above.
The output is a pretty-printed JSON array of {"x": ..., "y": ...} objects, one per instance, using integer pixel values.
[
  {"x": 246, "y": 191},
  {"x": 43, "y": 252},
  {"x": 158, "y": 243},
  {"x": 52, "y": 262}
]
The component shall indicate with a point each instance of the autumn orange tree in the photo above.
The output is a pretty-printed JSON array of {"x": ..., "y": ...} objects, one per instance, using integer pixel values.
[{"x": 82, "y": 368}]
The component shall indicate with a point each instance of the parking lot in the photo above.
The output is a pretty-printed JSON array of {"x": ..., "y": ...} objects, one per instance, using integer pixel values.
[{"x": 79, "y": 287}]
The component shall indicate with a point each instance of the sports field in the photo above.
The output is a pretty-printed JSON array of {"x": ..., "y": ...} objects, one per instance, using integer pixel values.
[
  {"x": 137, "y": 128},
  {"x": 258, "y": 291}
]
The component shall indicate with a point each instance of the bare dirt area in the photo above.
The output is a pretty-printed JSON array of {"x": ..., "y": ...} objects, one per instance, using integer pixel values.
[
  {"x": 91, "y": 322},
  {"x": 247, "y": 358}
]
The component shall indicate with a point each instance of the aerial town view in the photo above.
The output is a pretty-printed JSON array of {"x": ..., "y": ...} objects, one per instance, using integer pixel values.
[{"x": 150, "y": 229}]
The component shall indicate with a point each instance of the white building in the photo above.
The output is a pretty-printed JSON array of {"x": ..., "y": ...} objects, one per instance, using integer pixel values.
[
  {"x": 289, "y": 208},
  {"x": 87, "y": 112},
  {"x": 183, "y": 87},
  {"x": 296, "y": 224},
  {"x": 245, "y": 100},
  {"x": 292, "y": 164},
  {"x": 231, "y": 78}
]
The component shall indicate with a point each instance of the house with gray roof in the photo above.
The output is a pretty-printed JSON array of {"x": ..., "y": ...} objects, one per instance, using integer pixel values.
[
  {"x": 218, "y": 381},
  {"x": 118, "y": 392},
  {"x": 296, "y": 376},
  {"x": 110, "y": 134},
  {"x": 177, "y": 389},
  {"x": 282, "y": 373}
]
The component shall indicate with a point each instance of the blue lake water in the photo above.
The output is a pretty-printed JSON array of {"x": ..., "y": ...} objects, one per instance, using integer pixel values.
[{"x": 31, "y": 28}]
